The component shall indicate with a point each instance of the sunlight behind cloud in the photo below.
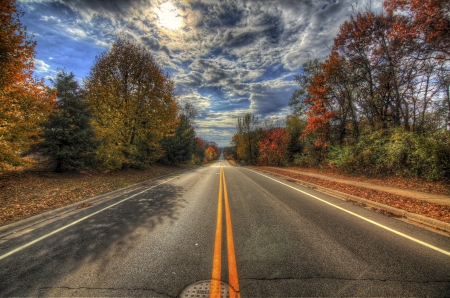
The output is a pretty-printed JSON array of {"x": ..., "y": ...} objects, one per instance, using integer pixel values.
[{"x": 169, "y": 16}]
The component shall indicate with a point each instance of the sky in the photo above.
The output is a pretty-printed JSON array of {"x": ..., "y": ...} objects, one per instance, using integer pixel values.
[{"x": 226, "y": 57}]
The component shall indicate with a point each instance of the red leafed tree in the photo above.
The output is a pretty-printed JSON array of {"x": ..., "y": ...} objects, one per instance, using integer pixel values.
[
  {"x": 429, "y": 21},
  {"x": 273, "y": 147},
  {"x": 318, "y": 111},
  {"x": 25, "y": 102},
  {"x": 200, "y": 143}
]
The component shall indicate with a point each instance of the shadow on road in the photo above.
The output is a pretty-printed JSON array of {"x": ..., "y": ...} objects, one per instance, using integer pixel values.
[{"x": 111, "y": 234}]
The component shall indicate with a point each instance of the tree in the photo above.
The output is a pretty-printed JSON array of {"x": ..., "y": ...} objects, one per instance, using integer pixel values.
[
  {"x": 198, "y": 157},
  {"x": 212, "y": 144},
  {"x": 273, "y": 147},
  {"x": 229, "y": 152},
  {"x": 210, "y": 153},
  {"x": 298, "y": 99},
  {"x": 25, "y": 102},
  {"x": 319, "y": 113},
  {"x": 68, "y": 134},
  {"x": 133, "y": 103},
  {"x": 246, "y": 139},
  {"x": 294, "y": 128},
  {"x": 180, "y": 147},
  {"x": 428, "y": 20}
]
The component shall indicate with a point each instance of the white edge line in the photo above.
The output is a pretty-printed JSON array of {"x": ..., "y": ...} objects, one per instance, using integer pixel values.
[
  {"x": 362, "y": 217},
  {"x": 79, "y": 220}
]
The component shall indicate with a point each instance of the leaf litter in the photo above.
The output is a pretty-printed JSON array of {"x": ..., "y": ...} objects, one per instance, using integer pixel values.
[{"x": 26, "y": 193}]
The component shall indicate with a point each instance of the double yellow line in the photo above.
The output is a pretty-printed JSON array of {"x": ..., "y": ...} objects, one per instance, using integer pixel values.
[{"x": 215, "y": 287}]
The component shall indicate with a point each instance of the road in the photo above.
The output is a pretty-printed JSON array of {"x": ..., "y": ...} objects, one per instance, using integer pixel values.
[{"x": 265, "y": 236}]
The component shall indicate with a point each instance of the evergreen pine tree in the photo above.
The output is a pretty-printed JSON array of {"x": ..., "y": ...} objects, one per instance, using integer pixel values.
[
  {"x": 179, "y": 147},
  {"x": 68, "y": 134}
]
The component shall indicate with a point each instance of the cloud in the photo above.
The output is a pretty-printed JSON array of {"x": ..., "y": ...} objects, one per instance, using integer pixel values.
[
  {"x": 153, "y": 44},
  {"x": 201, "y": 103},
  {"x": 50, "y": 19},
  {"x": 270, "y": 97},
  {"x": 41, "y": 66},
  {"x": 228, "y": 58}
]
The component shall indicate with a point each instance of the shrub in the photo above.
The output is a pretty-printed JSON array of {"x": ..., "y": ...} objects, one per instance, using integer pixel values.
[{"x": 395, "y": 152}]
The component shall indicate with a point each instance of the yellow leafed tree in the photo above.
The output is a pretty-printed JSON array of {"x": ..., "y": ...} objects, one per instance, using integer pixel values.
[{"x": 134, "y": 105}]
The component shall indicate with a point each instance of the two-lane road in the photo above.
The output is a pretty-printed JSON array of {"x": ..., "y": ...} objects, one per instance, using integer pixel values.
[{"x": 287, "y": 241}]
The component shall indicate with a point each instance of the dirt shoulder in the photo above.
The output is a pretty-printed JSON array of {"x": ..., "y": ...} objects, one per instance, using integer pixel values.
[
  {"x": 405, "y": 202},
  {"x": 26, "y": 193},
  {"x": 411, "y": 184}
]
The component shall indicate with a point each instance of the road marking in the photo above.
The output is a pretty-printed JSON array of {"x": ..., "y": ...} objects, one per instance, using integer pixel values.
[
  {"x": 217, "y": 259},
  {"x": 232, "y": 266},
  {"x": 362, "y": 217},
  {"x": 79, "y": 220},
  {"x": 215, "y": 285}
]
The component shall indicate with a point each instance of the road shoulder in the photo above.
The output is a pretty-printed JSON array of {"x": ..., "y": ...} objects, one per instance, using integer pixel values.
[{"x": 381, "y": 201}]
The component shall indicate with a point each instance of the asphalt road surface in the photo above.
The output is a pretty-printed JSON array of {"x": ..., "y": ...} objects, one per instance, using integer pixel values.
[{"x": 265, "y": 236}]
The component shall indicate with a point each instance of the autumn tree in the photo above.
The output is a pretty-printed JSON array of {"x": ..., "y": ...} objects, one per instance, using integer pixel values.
[
  {"x": 319, "y": 112},
  {"x": 246, "y": 139},
  {"x": 273, "y": 147},
  {"x": 428, "y": 21},
  {"x": 25, "y": 102},
  {"x": 300, "y": 96},
  {"x": 382, "y": 98},
  {"x": 134, "y": 105},
  {"x": 229, "y": 152},
  {"x": 395, "y": 78},
  {"x": 210, "y": 154},
  {"x": 68, "y": 134},
  {"x": 215, "y": 147}
]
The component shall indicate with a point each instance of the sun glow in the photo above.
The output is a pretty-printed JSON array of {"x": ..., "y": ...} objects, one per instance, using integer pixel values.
[{"x": 168, "y": 16}]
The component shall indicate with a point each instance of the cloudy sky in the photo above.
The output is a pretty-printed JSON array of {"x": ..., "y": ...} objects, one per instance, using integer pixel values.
[{"x": 227, "y": 57}]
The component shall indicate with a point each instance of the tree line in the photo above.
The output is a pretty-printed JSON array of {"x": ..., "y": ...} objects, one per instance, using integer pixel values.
[
  {"x": 126, "y": 114},
  {"x": 379, "y": 104}
]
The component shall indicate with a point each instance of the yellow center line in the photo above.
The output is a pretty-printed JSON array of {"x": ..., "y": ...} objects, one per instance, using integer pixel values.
[
  {"x": 217, "y": 259},
  {"x": 232, "y": 266},
  {"x": 215, "y": 286}
]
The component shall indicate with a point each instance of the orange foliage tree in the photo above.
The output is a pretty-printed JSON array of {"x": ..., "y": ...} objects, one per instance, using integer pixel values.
[
  {"x": 25, "y": 102},
  {"x": 212, "y": 144},
  {"x": 318, "y": 111},
  {"x": 210, "y": 153},
  {"x": 429, "y": 20},
  {"x": 273, "y": 147}
]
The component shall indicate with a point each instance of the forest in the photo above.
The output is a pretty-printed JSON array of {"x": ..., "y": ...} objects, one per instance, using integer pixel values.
[
  {"x": 379, "y": 104},
  {"x": 125, "y": 115}
]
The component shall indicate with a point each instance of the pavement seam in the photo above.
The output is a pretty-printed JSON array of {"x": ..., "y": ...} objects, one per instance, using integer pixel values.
[
  {"x": 343, "y": 196},
  {"x": 344, "y": 279},
  {"x": 105, "y": 288}
]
